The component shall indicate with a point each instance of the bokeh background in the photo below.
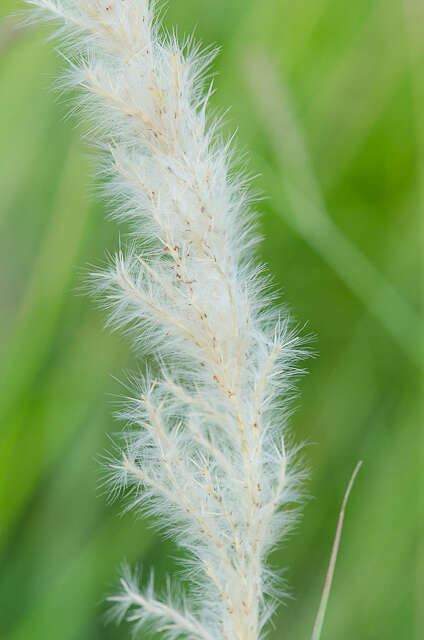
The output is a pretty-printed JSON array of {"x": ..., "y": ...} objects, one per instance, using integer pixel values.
[{"x": 328, "y": 96}]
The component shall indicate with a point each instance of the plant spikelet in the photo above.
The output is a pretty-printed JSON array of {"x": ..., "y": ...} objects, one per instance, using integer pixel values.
[{"x": 206, "y": 449}]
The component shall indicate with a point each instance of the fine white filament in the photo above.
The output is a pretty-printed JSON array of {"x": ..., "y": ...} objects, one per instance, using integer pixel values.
[{"x": 205, "y": 449}]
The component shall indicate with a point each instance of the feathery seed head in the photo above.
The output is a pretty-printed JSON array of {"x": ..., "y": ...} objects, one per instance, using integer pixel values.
[{"x": 204, "y": 451}]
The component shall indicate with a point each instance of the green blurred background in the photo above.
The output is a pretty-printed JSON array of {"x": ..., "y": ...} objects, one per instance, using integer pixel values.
[{"x": 329, "y": 99}]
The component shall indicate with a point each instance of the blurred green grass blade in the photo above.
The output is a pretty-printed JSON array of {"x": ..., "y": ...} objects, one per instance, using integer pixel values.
[
  {"x": 319, "y": 622},
  {"x": 32, "y": 337},
  {"x": 310, "y": 216},
  {"x": 66, "y": 564},
  {"x": 76, "y": 594},
  {"x": 79, "y": 560},
  {"x": 48, "y": 283},
  {"x": 25, "y": 112},
  {"x": 43, "y": 431},
  {"x": 355, "y": 91},
  {"x": 342, "y": 85},
  {"x": 413, "y": 13},
  {"x": 377, "y": 294}
]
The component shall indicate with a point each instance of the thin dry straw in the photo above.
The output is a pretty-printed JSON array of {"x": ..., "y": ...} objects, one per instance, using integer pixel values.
[{"x": 316, "y": 633}]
